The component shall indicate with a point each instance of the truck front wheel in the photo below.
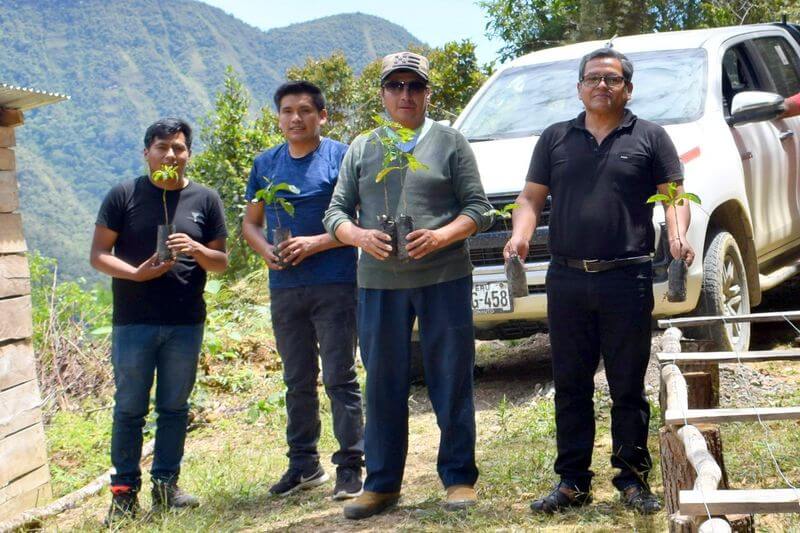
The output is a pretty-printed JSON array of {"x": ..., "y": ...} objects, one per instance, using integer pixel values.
[{"x": 724, "y": 292}]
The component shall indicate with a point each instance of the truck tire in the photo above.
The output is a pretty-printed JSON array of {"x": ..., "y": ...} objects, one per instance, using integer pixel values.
[{"x": 724, "y": 292}]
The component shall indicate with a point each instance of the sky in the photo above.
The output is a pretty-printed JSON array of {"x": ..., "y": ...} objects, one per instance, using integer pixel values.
[{"x": 432, "y": 21}]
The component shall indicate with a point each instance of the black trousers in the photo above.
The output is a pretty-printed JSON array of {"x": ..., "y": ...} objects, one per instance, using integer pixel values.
[
  {"x": 594, "y": 314},
  {"x": 316, "y": 323}
]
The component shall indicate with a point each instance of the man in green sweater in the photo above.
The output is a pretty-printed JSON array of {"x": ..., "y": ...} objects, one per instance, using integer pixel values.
[{"x": 446, "y": 200}]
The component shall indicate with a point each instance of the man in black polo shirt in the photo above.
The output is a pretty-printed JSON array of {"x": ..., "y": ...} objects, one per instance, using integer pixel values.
[{"x": 600, "y": 168}]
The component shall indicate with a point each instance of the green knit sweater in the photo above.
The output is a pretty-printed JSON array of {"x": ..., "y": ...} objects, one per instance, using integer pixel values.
[{"x": 435, "y": 196}]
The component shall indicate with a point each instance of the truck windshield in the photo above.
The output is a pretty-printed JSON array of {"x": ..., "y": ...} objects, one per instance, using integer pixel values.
[{"x": 668, "y": 88}]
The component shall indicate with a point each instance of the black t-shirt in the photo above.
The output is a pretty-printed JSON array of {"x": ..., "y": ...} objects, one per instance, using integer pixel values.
[
  {"x": 134, "y": 210},
  {"x": 599, "y": 193}
]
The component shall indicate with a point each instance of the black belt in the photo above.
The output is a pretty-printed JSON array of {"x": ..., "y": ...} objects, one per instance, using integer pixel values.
[{"x": 599, "y": 265}]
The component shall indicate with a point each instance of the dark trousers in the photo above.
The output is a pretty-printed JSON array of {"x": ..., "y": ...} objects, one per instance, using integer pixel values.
[
  {"x": 591, "y": 315},
  {"x": 385, "y": 321},
  {"x": 137, "y": 353},
  {"x": 312, "y": 323}
]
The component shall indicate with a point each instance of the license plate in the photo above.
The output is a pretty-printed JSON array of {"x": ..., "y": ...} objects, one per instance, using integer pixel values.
[{"x": 492, "y": 297}]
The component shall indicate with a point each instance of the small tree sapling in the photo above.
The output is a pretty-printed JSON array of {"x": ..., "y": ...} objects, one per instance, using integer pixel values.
[
  {"x": 677, "y": 270},
  {"x": 395, "y": 158},
  {"x": 514, "y": 267},
  {"x": 165, "y": 173},
  {"x": 269, "y": 195}
]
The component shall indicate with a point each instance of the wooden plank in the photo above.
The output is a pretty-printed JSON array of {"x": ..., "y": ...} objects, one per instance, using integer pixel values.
[
  {"x": 22, "y": 453},
  {"x": 7, "y": 137},
  {"x": 16, "y": 322},
  {"x": 17, "y": 364},
  {"x": 26, "y": 501},
  {"x": 730, "y": 357},
  {"x": 19, "y": 408},
  {"x": 12, "y": 240},
  {"x": 8, "y": 160},
  {"x": 14, "y": 276},
  {"x": 26, "y": 483},
  {"x": 778, "y": 316},
  {"x": 9, "y": 191},
  {"x": 739, "y": 501},
  {"x": 676, "y": 417},
  {"x": 11, "y": 118}
]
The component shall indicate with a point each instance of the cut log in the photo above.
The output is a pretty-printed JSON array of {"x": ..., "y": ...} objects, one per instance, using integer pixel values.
[
  {"x": 17, "y": 364},
  {"x": 677, "y": 473},
  {"x": 675, "y": 393},
  {"x": 702, "y": 385},
  {"x": 675, "y": 417},
  {"x": 7, "y": 138},
  {"x": 14, "y": 276},
  {"x": 19, "y": 408},
  {"x": 11, "y": 118},
  {"x": 17, "y": 322},
  {"x": 715, "y": 525},
  {"x": 679, "y": 523},
  {"x": 8, "y": 160},
  {"x": 9, "y": 191},
  {"x": 729, "y": 357},
  {"x": 30, "y": 490},
  {"x": 777, "y": 316},
  {"x": 12, "y": 240},
  {"x": 740, "y": 501}
]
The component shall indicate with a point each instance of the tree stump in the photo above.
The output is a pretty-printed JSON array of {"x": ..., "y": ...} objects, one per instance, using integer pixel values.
[{"x": 702, "y": 381}]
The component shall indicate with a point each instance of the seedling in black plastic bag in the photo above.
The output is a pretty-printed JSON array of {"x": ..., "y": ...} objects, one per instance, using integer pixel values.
[{"x": 269, "y": 195}]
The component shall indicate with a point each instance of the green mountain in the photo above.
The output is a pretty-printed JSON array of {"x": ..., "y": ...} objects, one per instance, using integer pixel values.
[{"x": 126, "y": 63}]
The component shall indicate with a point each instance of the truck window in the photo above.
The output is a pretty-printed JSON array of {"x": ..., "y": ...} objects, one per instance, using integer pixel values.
[
  {"x": 669, "y": 87},
  {"x": 781, "y": 62},
  {"x": 737, "y": 75}
]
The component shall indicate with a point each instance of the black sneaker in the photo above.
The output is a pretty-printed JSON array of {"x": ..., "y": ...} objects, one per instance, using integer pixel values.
[
  {"x": 124, "y": 504},
  {"x": 564, "y": 496},
  {"x": 640, "y": 499},
  {"x": 348, "y": 483},
  {"x": 299, "y": 479},
  {"x": 167, "y": 495}
]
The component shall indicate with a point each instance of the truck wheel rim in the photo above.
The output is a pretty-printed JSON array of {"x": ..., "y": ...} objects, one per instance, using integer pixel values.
[{"x": 734, "y": 298}]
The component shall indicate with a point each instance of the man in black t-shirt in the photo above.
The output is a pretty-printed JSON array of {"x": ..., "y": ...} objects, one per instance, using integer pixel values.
[
  {"x": 600, "y": 168},
  {"x": 158, "y": 310}
]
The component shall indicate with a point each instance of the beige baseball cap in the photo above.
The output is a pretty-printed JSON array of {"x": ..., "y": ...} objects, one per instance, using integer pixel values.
[{"x": 405, "y": 61}]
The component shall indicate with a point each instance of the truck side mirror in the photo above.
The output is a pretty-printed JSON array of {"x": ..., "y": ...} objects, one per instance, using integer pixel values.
[{"x": 755, "y": 106}]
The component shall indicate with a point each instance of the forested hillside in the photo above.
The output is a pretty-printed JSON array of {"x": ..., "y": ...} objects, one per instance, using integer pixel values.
[{"x": 126, "y": 63}]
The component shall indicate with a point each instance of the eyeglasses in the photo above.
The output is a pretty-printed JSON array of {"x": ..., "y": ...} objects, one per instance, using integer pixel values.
[
  {"x": 611, "y": 81},
  {"x": 397, "y": 87}
]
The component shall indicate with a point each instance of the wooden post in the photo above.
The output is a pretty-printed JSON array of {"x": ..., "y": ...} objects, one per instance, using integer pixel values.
[{"x": 24, "y": 474}]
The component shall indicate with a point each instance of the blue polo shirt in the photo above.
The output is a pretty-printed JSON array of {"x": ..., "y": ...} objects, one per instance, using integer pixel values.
[{"x": 315, "y": 174}]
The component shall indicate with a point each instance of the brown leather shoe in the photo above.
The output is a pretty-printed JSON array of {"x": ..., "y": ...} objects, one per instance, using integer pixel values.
[
  {"x": 370, "y": 503},
  {"x": 460, "y": 497}
]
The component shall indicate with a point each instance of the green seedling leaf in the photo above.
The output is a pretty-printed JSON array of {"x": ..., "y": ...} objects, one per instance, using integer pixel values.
[
  {"x": 382, "y": 174},
  {"x": 505, "y": 212},
  {"x": 658, "y": 198},
  {"x": 285, "y": 187},
  {"x": 414, "y": 164},
  {"x": 287, "y": 206},
  {"x": 690, "y": 196},
  {"x": 213, "y": 286},
  {"x": 166, "y": 172}
]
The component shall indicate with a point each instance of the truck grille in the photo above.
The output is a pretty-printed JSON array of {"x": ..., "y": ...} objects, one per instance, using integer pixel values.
[{"x": 486, "y": 248}]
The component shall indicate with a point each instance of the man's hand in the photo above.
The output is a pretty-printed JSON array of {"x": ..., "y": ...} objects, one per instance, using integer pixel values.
[
  {"x": 152, "y": 269},
  {"x": 681, "y": 249},
  {"x": 270, "y": 257},
  {"x": 294, "y": 250},
  {"x": 516, "y": 246},
  {"x": 421, "y": 242},
  {"x": 180, "y": 243},
  {"x": 374, "y": 242}
]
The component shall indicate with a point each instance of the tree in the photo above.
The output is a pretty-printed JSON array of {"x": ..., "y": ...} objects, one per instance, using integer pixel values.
[
  {"x": 455, "y": 77},
  {"x": 231, "y": 143},
  {"x": 528, "y": 25},
  {"x": 334, "y": 76}
]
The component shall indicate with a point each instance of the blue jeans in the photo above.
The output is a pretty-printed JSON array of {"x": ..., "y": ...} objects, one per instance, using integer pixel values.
[
  {"x": 385, "y": 320},
  {"x": 138, "y": 352}
]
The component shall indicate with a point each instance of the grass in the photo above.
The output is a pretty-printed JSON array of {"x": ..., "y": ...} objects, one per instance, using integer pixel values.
[{"x": 238, "y": 451}]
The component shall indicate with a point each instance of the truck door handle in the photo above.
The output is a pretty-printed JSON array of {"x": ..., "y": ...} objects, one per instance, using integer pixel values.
[{"x": 786, "y": 134}]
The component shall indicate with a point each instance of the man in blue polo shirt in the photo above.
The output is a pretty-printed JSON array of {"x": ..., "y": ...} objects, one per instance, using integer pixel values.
[{"x": 312, "y": 292}]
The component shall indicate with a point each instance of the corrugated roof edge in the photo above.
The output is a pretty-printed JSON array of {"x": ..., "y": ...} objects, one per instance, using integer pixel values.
[{"x": 26, "y": 98}]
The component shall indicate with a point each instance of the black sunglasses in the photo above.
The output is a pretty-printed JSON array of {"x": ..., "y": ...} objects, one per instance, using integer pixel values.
[{"x": 414, "y": 87}]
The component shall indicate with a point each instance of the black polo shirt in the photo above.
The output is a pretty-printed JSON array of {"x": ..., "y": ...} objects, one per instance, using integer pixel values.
[{"x": 599, "y": 193}]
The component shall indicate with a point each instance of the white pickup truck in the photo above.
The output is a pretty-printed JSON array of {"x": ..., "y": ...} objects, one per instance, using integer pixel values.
[{"x": 718, "y": 93}]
